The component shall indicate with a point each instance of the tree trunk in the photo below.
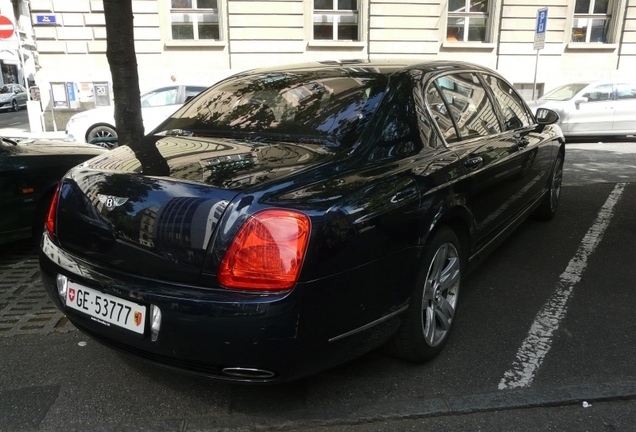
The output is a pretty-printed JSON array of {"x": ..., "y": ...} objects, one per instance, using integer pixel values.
[{"x": 122, "y": 59}]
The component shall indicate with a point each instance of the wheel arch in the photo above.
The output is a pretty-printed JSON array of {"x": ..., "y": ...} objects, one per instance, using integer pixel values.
[
  {"x": 459, "y": 219},
  {"x": 96, "y": 125}
]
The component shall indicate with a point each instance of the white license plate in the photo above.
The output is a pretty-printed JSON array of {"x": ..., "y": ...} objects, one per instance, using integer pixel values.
[{"x": 106, "y": 309}]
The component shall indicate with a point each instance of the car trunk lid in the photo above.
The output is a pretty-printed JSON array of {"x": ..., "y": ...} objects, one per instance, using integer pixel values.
[{"x": 153, "y": 213}]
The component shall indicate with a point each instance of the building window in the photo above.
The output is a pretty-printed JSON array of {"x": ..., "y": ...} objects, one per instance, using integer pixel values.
[
  {"x": 467, "y": 20},
  {"x": 194, "y": 19},
  {"x": 591, "y": 21},
  {"x": 336, "y": 20}
]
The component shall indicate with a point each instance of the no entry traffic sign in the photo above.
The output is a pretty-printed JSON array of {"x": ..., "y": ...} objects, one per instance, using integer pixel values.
[{"x": 6, "y": 27}]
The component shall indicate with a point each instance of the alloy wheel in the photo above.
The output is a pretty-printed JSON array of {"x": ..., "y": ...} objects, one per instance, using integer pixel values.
[{"x": 440, "y": 294}]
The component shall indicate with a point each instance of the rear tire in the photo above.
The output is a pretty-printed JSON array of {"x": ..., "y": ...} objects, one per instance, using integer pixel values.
[
  {"x": 431, "y": 313},
  {"x": 550, "y": 203}
]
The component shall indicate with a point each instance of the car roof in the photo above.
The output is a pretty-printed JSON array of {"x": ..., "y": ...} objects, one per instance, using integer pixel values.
[{"x": 384, "y": 67}]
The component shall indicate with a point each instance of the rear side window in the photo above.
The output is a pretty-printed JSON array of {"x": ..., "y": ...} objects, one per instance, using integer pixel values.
[
  {"x": 441, "y": 116},
  {"x": 515, "y": 115},
  {"x": 626, "y": 91},
  {"x": 469, "y": 105}
]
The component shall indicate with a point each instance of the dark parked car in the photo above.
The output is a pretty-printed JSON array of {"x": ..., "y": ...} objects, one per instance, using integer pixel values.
[
  {"x": 287, "y": 220},
  {"x": 29, "y": 173}
]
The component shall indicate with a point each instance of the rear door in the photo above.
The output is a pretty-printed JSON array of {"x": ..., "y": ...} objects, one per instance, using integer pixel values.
[{"x": 625, "y": 109}]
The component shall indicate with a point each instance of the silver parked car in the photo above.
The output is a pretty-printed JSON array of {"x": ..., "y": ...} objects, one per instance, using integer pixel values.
[
  {"x": 593, "y": 108},
  {"x": 12, "y": 96}
]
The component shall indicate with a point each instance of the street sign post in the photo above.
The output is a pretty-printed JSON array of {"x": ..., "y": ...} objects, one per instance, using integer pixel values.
[
  {"x": 6, "y": 27},
  {"x": 539, "y": 33},
  {"x": 539, "y": 41}
]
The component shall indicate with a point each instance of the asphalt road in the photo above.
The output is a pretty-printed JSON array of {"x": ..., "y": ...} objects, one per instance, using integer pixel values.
[
  {"x": 14, "y": 120},
  {"x": 545, "y": 324}
]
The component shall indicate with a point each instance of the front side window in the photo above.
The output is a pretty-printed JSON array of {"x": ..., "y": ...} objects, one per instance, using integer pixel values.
[
  {"x": 599, "y": 93},
  {"x": 564, "y": 92},
  {"x": 467, "y": 20},
  {"x": 161, "y": 97},
  {"x": 515, "y": 115},
  {"x": 591, "y": 21},
  {"x": 194, "y": 19},
  {"x": 336, "y": 20}
]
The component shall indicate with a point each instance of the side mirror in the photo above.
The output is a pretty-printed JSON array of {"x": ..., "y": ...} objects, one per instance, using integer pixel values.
[
  {"x": 579, "y": 101},
  {"x": 546, "y": 116}
]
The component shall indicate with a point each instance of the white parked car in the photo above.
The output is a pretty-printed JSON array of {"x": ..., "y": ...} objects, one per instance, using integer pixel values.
[
  {"x": 156, "y": 106},
  {"x": 593, "y": 108}
]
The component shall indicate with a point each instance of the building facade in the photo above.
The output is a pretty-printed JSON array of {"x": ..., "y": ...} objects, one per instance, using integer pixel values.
[
  {"x": 203, "y": 41},
  {"x": 17, "y": 48}
]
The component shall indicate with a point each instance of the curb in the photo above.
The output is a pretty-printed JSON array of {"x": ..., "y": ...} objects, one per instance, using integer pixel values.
[
  {"x": 22, "y": 133},
  {"x": 391, "y": 411}
]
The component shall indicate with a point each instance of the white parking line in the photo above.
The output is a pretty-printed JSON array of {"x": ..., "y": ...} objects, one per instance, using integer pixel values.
[{"x": 539, "y": 340}]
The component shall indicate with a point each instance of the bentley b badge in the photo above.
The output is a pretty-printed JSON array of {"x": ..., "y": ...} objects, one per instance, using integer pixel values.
[{"x": 110, "y": 202}]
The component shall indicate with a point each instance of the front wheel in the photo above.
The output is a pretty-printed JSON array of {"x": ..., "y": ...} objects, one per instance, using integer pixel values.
[
  {"x": 431, "y": 313},
  {"x": 15, "y": 106},
  {"x": 103, "y": 136}
]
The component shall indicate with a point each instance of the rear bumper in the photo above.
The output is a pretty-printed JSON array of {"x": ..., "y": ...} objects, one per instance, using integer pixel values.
[{"x": 219, "y": 333}]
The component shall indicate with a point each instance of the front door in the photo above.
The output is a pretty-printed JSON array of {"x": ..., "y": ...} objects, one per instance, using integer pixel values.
[{"x": 593, "y": 112}]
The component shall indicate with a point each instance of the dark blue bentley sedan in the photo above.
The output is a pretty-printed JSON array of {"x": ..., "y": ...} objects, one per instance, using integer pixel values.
[{"x": 289, "y": 219}]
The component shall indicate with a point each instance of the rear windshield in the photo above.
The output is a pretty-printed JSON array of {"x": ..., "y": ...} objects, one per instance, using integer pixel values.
[
  {"x": 331, "y": 107},
  {"x": 565, "y": 92}
]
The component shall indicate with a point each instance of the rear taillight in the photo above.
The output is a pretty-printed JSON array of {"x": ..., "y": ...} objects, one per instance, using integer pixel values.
[
  {"x": 267, "y": 252},
  {"x": 50, "y": 217}
]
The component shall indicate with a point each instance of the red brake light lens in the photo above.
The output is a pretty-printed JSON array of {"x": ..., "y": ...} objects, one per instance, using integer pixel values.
[
  {"x": 267, "y": 252},
  {"x": 50, "y": 217}
]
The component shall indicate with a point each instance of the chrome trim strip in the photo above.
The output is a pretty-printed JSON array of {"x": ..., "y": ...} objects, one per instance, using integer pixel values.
[
  {"x": 369, "y": 325},
  {"x": 60, "y": 257}
]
